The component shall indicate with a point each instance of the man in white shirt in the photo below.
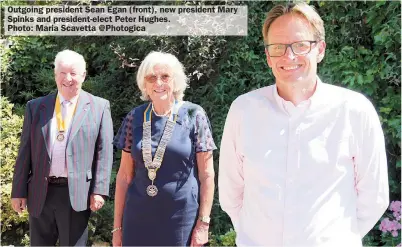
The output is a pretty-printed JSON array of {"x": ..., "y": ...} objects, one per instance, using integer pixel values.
[{"x": 302, "y": 162}]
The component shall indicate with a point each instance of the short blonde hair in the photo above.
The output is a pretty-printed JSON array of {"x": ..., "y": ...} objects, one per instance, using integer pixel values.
[
  {"x": 71, "y": 57},
  {"x": 301, "y": 8},
  {"x": 161, "y": 58}
]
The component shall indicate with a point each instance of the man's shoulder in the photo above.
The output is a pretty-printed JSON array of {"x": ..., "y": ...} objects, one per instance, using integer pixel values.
[
  {"x": 41, "y": 100},
  {"x": 254, "y": 95},
  {"x": 96, "y": 99},
  {"x": 339, "y": 90},
  {"x": 353, "y": 100}
]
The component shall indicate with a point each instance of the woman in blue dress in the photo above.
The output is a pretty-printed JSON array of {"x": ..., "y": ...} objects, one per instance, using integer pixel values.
[{"x": 165, "y": 183}]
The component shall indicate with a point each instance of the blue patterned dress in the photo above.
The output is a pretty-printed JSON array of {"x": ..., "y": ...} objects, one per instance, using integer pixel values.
[{"x": 168, "y": 218}]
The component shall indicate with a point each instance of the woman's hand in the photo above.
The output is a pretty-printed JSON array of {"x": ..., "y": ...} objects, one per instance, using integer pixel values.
[
  {"x": 117, "y": 238},
  {"x": 199, "y": 236}
]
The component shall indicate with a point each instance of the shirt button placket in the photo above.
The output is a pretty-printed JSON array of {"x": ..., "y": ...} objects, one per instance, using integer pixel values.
[
  {"x": 292, "y": 165},
  {"x": 289, "y": 161}
]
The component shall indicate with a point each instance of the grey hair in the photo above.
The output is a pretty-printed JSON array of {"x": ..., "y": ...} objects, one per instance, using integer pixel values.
[
  {"x": 180, "y": 80},
  {"x": 68, "y": 56}
]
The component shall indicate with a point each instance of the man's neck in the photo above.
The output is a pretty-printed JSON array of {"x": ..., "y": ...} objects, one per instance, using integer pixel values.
[
  {"x": 297, "y": 92},
  {"x": 69, "y": 98}
]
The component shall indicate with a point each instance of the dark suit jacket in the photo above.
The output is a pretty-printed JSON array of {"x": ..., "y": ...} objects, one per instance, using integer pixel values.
[{"x": 89, "y": 152}]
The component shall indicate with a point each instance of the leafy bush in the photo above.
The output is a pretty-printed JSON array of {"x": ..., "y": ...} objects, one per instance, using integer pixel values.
[
  {"x": 13, "y": 226},
  {"x": 227, "y": 239},
  {"x": 100, "y": 225}
]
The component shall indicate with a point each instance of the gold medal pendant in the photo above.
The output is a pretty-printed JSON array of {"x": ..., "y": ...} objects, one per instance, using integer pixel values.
[
  {"x": 152, "y": 190},
  {"x": 62, "y": 123},
  {"x": 60, "y": 137}
]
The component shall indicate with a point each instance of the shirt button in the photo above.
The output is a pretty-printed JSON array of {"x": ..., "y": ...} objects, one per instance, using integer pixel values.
[{"x": 45, "y": 178}]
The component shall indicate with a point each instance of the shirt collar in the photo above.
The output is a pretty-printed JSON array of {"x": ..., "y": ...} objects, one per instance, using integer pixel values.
[
  {"x": 312, "y": 101},
  {"x": 73, "y": 100},
  {"x": 318, "y": 93}
]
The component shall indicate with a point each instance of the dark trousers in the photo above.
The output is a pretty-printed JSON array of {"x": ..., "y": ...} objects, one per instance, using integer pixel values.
[{"x": 58, "y": 220}]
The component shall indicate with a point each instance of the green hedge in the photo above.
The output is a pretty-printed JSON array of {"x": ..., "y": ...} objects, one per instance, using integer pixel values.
[
  {"x": 363, "y": 53},
  {"x": 15, "y": 225}
]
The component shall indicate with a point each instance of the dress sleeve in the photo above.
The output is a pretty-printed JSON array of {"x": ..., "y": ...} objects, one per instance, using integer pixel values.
[
  {"x": 124, "y": 137},
  {"x": 203, "y": 133}
]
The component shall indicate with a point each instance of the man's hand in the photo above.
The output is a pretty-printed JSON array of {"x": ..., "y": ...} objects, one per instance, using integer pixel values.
[
  {"x": 96, "y": 202},
  {"x": 19, "y": 204},
  {"x": 199, "y": 236}
]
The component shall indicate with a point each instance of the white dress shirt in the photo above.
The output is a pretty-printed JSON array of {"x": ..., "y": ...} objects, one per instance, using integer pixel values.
[
  {"x": 58, "y": 167},
  {"x": 308, "y": 175}
]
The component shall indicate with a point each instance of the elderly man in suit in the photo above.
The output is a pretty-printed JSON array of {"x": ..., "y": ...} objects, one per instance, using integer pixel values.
[{"x": 64, "y": 163}]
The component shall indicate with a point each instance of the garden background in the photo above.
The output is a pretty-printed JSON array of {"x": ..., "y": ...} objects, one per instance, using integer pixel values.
[{"x": 363, "y": 54}]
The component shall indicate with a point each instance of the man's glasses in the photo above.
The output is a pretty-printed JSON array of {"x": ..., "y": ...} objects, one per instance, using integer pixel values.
[
  {"x": 153, "y": 78},
  {"x": 298, "y": 48}
]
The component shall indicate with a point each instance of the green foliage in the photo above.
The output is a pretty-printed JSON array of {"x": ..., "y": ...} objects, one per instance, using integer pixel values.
[
  {"x": 28, "y": 66},
  {"x": 227, "y": 239},
  {"x": 13, "y": 225},
  {"x": 363, "y": 54},
  {"x": 100, "y": 225}
]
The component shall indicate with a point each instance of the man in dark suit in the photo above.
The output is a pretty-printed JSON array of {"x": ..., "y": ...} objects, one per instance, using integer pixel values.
[{"x": 65, "y": 158}]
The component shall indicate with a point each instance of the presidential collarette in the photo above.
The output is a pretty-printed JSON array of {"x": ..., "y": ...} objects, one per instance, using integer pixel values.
[
  {"x": 153, "y": 165},
  {"x": 62, "y": 121}
]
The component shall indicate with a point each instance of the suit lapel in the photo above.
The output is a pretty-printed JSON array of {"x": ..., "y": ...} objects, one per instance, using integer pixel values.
[
  {"x": 46, "y": 115},
  {"x": 83, "y": 106}
]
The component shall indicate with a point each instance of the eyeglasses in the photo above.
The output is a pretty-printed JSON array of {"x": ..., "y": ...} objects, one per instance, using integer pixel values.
[
  {"x": 165, "y": 78},
  {"x": 298, "y": 48}
]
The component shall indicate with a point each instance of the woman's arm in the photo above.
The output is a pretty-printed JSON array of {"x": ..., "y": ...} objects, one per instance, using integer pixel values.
[
  {"x": 206, "y": 175},
  {"x": 123, "y": 179}
]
